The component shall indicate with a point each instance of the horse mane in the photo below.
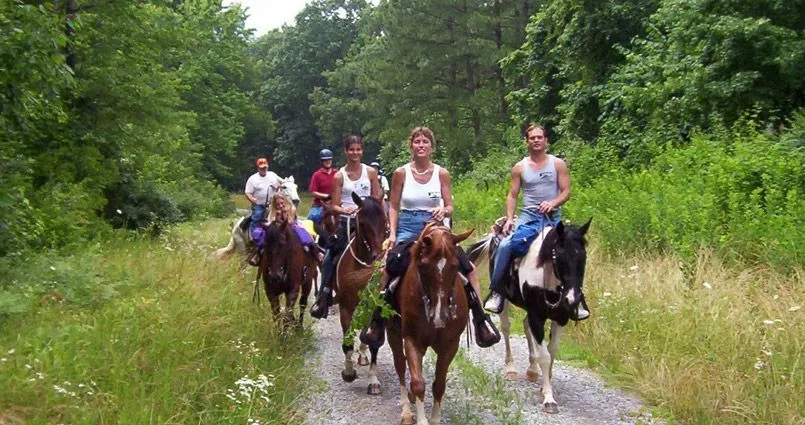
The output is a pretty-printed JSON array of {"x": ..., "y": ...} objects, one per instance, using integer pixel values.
[
  {"x": 572, "y": 236},
  {"x": 372, "y": 209}
]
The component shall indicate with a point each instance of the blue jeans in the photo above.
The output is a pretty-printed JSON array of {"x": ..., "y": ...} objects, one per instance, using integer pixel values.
[
  {"x": 529, "y": 224},
  {"x": 316, "y": 214},
  {"x": 258, "y": 215},
  {"x": 410, "y": 224}
]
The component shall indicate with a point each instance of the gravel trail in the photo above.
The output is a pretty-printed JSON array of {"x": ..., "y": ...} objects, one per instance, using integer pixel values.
[{"x": 476, "y": 391}]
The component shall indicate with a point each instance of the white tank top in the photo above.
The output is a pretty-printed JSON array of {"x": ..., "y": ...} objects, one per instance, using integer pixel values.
[
  {"x": 362, "y": 187},
  {"x": 418, "y": 196}
]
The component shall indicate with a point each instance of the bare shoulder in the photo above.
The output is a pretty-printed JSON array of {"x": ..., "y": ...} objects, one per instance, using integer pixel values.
[
  {"x": 372, "y": 172},
  {"x": 400, "y": 171},
  {"x": 443, "y": 172},
  {"x": 518, "y": 168},
  {"x": 559, "y": 163}
]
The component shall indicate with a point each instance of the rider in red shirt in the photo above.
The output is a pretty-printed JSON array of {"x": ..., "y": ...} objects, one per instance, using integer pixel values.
[{"x": 321, "y": 184}]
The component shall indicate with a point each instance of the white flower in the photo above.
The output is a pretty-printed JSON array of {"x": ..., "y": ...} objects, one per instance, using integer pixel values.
[
  {"x": 768, "y": 322},
  {"x": 53, "y": 268},
  {"x": 11, "y": 351},
  {"x": 607, "y": 294},
  {"x": 119, "y": 212},
  {"x": 707, "y": 285},
  {"x": 634, "y": 268},
  {"x": 760, "y": 364},
  {"x": 795, "y": 308}
]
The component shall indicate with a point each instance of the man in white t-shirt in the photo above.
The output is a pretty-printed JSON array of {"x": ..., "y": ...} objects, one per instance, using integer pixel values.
[{"x": 259, "y": 189}]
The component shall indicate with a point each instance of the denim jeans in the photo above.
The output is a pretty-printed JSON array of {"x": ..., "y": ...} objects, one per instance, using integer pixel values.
[
  {"x": 316, "y": 214},
  {"x": 258, "y": 215},
  {"x": 410, "y": 224},
  {"x": 528, "y": 225}
]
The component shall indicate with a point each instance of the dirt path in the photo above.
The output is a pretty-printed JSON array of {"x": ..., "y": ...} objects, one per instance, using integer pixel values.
[{"x": 476, "y": 393}]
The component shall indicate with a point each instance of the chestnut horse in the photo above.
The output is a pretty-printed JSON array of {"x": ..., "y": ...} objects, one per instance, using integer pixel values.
[
  {"x": 286, "y": 269},
  {"x": 433, "y": 313},
  {"x": 353, "y": 271}
]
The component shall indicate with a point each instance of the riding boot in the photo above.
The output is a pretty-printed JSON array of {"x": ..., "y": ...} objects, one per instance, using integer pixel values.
[
  {"x": 486, "y": 334},
  {"x": 375, "y": 333},
  {"x": 324, "y": 300},
  {"x": 254, "y": 256}
]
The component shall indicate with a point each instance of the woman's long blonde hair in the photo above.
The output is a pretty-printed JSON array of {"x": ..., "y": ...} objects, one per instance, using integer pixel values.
[{"x": 288, "y": 213}]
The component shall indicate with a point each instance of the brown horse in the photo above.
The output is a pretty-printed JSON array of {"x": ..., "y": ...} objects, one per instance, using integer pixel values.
[
  {"x": 433, "y": 313},
  {"x": 353, "y": 271},
  {"x": 286, "y": 269}
]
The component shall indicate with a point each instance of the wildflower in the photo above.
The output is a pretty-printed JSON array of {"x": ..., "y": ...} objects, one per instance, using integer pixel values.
[
  {"x": 119, "y": 212},
  {"x": 11, "y": 351},
  {"x": 634, "y": 268},
  {"x": 795, "y": 308},
  {"x": 760, "y": 364},
  {"x": 707, "y": 285},
  {"x": 768, "y": 322},
  {"x": 607, "y": 294}
]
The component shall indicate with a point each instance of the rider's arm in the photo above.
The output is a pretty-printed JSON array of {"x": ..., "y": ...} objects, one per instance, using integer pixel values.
[
  {"x": 338, "y": 182},
  {"x": 397, "y": 180},
  {"x": 377, "y": 191},
  {"x": 314, "y": 188},
  {"x": 447, "y": 191},
  {"x": 563, "y": 180},
  {"x": 514, "y": 190},
  {"x": 250, "y": 191}
]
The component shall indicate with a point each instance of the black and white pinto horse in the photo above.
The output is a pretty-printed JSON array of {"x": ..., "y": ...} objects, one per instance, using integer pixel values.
[
  {"x": 240, "y": 231},
  {"x": 546, "y": 283}
]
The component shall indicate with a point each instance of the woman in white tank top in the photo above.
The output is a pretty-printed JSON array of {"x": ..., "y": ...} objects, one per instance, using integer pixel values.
[
  {"x": 354, "y": 177},
  {"x": 420, "y": 192}
]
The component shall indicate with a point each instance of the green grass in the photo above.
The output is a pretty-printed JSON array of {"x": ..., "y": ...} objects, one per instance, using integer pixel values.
[{"x": 143, "y": 331}]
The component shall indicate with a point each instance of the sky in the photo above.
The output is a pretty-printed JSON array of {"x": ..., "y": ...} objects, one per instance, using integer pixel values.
[{"x": 265, "y": 15}]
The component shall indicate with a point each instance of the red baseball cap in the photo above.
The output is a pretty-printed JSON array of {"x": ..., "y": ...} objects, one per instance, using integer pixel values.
[{"x": 262, "y": 162}]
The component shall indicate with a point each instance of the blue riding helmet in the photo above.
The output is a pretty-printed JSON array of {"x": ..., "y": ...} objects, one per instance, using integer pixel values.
[{"x": 325, "y": 154}]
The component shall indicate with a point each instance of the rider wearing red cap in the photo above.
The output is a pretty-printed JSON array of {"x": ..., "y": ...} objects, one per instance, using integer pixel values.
[{"x": 259, "y": 189}]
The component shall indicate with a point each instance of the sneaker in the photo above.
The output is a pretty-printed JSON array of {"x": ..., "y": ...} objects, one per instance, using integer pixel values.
[
  {"x": 494, "y": 304},
  {"x": 581, "y": 313}
]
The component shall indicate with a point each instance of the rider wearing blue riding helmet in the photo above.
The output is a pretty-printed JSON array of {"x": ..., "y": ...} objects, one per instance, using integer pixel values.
[{"x": 321, "y": 185}]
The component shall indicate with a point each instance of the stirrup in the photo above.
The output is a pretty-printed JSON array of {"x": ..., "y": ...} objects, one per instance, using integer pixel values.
[
  {"x": 581, "y": 312},
  {"x": 321, "y": 306},
  {"x": 486, "y": 334}
]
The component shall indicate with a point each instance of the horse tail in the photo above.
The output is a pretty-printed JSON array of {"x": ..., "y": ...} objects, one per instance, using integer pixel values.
[
  {"x": 481, "y": 249},
  {"x": 226, "y": 251}
]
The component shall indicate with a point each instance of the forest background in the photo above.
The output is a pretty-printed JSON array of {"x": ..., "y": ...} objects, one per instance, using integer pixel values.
[{"x": 682, "y": 121}]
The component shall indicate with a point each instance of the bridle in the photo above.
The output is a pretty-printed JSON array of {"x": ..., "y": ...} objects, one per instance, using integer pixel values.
[
  {"x": 360, "y": 238},
  {"x": 452, "y": 308}
]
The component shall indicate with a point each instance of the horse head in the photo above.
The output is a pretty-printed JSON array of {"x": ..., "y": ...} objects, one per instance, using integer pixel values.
[
  {"x": 437, "y": 257},
  {"x": 290, "y": 188},
  {"x": 371, "y": 225},
  {"x": 565, "y": 248},
  {"x": 277, "y": 247}
]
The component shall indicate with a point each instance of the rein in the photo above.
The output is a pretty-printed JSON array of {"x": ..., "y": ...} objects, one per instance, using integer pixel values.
[{"x": 357, "y": 236}]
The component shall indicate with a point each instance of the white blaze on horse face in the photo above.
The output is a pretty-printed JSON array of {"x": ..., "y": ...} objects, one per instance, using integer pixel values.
[
  {"x": 440, "y": 265},
  {"x": 438, "y": 320}
]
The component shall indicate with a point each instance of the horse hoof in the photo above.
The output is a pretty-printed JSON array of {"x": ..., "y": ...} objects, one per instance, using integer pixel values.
[
  {"x": 531, "y": 376},
  {"x": 349, "y": 377},
  {"x": 373, "y": 389},
  {"x": 510, "y": 376},
  {"x": 363, "y": 361},
  {"x": 551, "y": 408},
  {"x": 407, "y": 420}
]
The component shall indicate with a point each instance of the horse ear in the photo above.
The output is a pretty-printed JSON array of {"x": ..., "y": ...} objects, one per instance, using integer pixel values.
[
  {"x": 585, "y": 227},
  {"x": 357, "y": 200},
  {"x": 427, "y": 241},
  {"x": 560, "y": 229},
  {"x": 462, "y": 236},
  {"x": 290, "y": 179}
]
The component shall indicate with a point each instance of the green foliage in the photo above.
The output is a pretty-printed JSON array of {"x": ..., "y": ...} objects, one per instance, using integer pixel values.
[
  {"x": 143, "y": 329},
  {"x": 739, "y": 192},
  {"x": 370, "y": 300}
]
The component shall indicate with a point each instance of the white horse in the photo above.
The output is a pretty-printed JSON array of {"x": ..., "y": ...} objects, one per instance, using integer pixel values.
[{"x": 240, "y": 235}]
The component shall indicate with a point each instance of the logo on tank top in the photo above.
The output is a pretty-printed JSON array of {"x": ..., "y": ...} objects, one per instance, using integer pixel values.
[
  {"x": 546, "y": 175},
  {"x": 435, "y": 195}
]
